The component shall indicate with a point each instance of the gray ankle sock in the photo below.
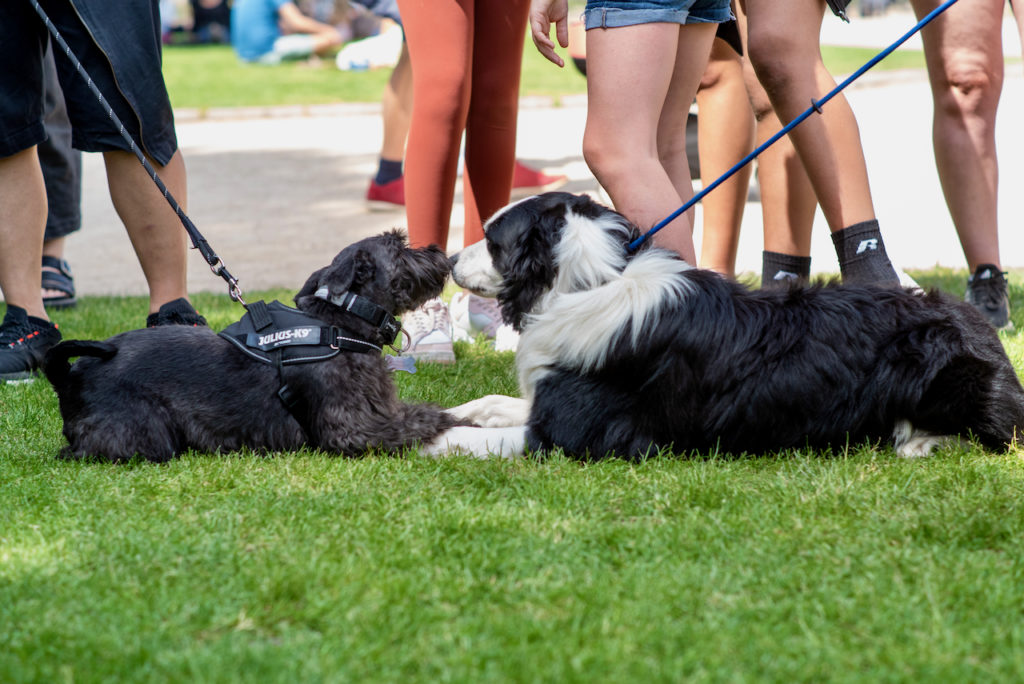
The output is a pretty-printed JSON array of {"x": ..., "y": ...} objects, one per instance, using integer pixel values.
[
  {"x": 862, "y": 257},
  {"x": 780, "y": 270}
]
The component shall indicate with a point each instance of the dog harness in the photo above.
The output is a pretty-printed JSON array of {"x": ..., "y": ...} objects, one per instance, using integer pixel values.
[{"x": 282, "y": 336}]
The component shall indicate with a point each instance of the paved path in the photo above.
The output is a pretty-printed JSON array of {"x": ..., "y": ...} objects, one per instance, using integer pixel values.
[{"x": 278, "y": 193}]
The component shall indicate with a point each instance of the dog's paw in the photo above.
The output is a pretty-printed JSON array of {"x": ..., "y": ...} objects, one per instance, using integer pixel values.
[
  {"x": 507, "y": 442},
  {"x": 913, "y": 443},
  {"x": 493, "y": 410}
]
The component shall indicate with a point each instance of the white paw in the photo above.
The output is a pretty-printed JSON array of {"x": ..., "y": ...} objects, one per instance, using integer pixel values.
[
  {"x": 493, "y": 410},
  {"x": 506, "y": 442}
]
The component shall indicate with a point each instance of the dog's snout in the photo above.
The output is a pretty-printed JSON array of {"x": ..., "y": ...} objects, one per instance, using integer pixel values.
[{"x": 454, "y": 259}]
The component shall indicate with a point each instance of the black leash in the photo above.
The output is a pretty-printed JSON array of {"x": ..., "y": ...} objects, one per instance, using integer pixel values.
[{"x": 198, "y": 241}]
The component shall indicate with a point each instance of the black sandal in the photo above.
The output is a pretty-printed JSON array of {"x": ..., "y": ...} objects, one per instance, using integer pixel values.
[{"x": 58, "y": 279}]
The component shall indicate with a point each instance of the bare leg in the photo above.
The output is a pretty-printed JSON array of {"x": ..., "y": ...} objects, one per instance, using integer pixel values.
[
  {"x": 159, "y": 239},
  {"x": 963, "y": 50},
  {"x": 641, "y": 81},
  {"x": 396, "y": 108},
  {"x": 726, "y": 135},
  {"x": 785, "y": 52},
  {"x": 23, "y": 206}
]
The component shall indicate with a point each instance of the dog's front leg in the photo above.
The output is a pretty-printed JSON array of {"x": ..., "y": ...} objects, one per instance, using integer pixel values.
[
  {"x": 493, "y": 410},
  {"x": 481, "y": 442}
]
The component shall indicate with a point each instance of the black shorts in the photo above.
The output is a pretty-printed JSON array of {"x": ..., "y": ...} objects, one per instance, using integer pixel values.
[
  {"x": 118, "y": 43},
  {"x": 729, "y": 31}
]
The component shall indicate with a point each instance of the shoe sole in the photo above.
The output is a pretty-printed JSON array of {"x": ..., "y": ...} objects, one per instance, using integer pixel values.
[
  {"x": 445, "y": 357},
  {"x": 382, "y": 206}
]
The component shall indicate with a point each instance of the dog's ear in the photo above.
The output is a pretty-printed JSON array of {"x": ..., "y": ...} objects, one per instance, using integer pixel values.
[
  {"x": 364, "y": 268},
  {"x": 530, "y": 269}
]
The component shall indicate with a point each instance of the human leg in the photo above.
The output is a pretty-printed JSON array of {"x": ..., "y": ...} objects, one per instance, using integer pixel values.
[
  {"x": 630, "y": 73},
  {"x": 387, "y": 188},
  {"x": 396, "y": 108},
  {"x": 785, "y": 53},
  {"x": 725, "y": 136},
  {"x": 438, "y": 35},
  {"x": 963, "y": 51},
  {"x": 493, "y": 110},
  {"x": 788, "y": 202},
  {"x": 62, "y": 175},
  {"x": 156, "y": 233},
  {"x": 23, "y": 206}
]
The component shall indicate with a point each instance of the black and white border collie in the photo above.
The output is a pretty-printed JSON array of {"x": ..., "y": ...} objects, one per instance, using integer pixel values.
[{"x": 629, "y": 353}]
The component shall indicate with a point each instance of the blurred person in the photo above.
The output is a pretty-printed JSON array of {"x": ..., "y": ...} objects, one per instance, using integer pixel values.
[
  {"x": 270, "y": 31},
  {"x": 95, "y": 30}
]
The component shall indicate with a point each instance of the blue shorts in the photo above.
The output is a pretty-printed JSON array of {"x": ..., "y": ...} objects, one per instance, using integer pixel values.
[{"x": 616, "y": 13}]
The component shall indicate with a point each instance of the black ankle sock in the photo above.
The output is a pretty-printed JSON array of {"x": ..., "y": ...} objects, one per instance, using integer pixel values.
[
  {"x": 388, "y": 170},
  {"x": 862, "y": 257},
  {"x": 781, "y": 270}
]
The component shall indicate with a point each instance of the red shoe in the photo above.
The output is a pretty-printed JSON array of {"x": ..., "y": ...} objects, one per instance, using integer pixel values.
[
  {"x": 527, "y": 181},
  {"x": 386, "y": 197}
]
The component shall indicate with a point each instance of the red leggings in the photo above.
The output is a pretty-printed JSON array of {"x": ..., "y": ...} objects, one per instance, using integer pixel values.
[{"x": 466, "y": 58}]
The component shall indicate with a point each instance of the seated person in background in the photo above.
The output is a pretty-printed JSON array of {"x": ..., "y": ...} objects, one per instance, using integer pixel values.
[{"x": 268, "y": 31}]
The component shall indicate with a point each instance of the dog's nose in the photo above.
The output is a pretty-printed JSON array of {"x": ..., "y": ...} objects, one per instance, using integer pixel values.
[{"x": 454, "y": 258}]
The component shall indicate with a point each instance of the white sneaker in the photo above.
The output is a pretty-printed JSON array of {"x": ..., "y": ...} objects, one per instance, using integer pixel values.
[
  {"x": 381, "y": 50},
  {"x": 430, "y": 333},
  {"x": 473, "y": 314}
]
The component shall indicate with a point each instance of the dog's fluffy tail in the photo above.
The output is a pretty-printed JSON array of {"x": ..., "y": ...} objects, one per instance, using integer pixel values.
[{"x": 56, "y": 365}]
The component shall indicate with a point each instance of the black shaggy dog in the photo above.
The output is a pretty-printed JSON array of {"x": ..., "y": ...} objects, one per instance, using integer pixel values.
[
  {"x": 157, "y": 392},
  {"x": 623, "y": 352}
]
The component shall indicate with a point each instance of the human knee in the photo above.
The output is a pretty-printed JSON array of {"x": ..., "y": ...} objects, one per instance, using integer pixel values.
[
  {"x": 770, "y": 54},
  {"x": 969, "y": 88},
  {"x": 601, "y": 155}
]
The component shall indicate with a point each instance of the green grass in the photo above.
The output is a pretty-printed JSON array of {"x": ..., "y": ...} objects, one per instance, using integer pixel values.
[
  {"x": 202, "y": 77},
  {"x": 301, "y": 567}
]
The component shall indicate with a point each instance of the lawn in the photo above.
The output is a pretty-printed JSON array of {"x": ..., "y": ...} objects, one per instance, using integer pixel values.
[
  {"x": 201, "y": 77},
  {"x": 849, "y": 566},
  {"x": 798, "y": 566}
]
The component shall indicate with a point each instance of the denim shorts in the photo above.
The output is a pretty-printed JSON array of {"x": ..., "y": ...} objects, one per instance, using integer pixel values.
[
  {"x": 616, "y": 13},
  {"x": 119, "y": 45}
]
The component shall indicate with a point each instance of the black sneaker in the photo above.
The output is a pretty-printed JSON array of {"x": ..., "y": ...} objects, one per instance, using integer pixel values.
[
  {"x": 23, "y": 344},
  {"x": 178, "y": 312},
  {"x": 986, "y": 290}
]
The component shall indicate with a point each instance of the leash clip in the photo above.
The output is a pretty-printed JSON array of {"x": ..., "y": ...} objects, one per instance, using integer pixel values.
[{"x": 406, "y": 346}]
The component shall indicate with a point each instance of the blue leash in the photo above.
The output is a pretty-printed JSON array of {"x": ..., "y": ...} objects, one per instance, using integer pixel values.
[{"x": 815, "y": 107}]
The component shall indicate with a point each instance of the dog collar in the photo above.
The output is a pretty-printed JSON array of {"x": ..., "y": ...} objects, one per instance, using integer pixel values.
[{"x": 387, "y": 324}]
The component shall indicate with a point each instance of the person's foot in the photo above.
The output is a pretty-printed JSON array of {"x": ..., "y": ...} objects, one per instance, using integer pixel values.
[
  {"x": 430, "y": 333},
  {"x": 177, "y": 312},
  {"x": 24, "y": 342},
  {"x": 58, "y": 284},
  {"x": 387, "y": 196},
  {"x": 986, "y": 291},
  {"x": 474, "y": 314},
  {"x": 527, "y": 181}
]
